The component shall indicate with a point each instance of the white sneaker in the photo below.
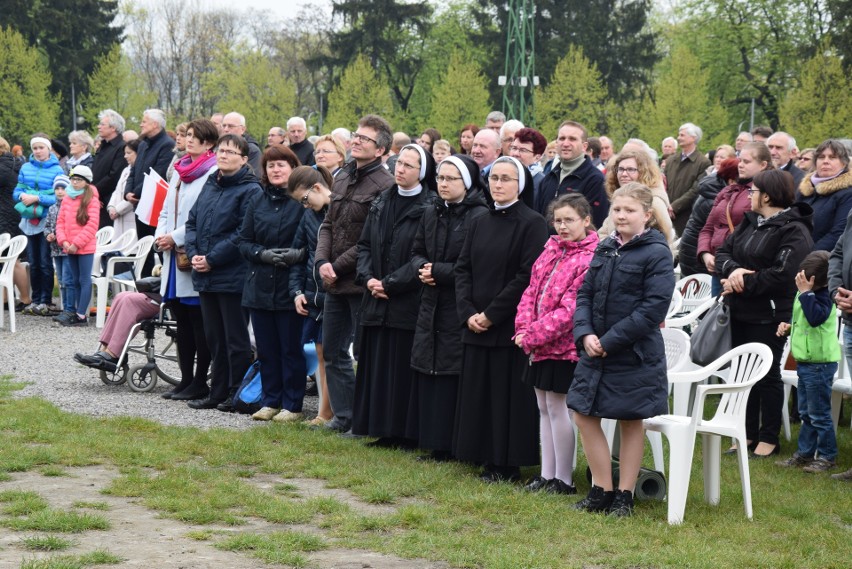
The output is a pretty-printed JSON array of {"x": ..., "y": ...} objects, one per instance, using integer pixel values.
[
  {"x": 265, "y": 414},
  {"x": 286, "y": 416}
]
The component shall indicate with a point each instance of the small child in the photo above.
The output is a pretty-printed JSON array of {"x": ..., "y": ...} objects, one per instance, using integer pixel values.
[
  {"x": 60, "y": 258},
  {"x": 813, "y": 337},
  {"x": 76, "y": 227}
]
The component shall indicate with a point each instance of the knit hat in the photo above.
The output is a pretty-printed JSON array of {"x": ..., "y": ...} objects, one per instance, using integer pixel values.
[
  {"x": 61, "y": 180},
  {"x": 59, "y": 147},
  {"x": 82, "y": 171},
  {"x": 39, "y": 140}
]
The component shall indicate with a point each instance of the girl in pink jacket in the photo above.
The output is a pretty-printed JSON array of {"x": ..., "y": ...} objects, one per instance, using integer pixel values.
[
  {"x": 76, "y": 227},
  {"x": 544, "y": 329}
]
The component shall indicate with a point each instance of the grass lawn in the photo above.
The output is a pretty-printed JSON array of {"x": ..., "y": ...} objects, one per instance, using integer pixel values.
[{"x": 434, "y": 511}]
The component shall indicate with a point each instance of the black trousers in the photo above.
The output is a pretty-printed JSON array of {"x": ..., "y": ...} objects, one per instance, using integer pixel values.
[
  {"x": 193, "y": 354},
  {"x": 226, "y": 329}
]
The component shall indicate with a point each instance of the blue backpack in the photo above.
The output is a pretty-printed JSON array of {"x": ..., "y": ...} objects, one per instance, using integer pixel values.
[{"x": 248, "y": 395}]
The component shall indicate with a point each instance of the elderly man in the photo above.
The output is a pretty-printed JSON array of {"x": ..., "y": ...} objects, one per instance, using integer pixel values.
[
  {"x": 573, "y": 171},
  {"x": 494, "y": 121},
  {"x": 485, "y": 150},
  {"x": 781, "y": 147},
  {"x": 276, "y": 135},
  {"x": 297, "y": 129},
  {"x": 683, "y": 171},
  {"x": 606, "y": 149},
  {"x": 743, "y": 138},
  {"x": 218, "y": 119},
  {"x": 507, "y": 134},
  {"x": 343, "y": 136},
  {"x": 336, "y": 255},
  {"x": 235, "y": 123},
  {"x": 109, "y": 161}
]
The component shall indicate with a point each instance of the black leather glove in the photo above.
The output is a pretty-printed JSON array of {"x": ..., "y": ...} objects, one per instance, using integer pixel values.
[
  {"x": 293, "y": 256},
  {"x": 270, "y": 256}
]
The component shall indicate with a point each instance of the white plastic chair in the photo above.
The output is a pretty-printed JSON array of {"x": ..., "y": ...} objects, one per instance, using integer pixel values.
[
  {"x": 691, "y": 318},
  {"x": 790, "y": 378},
  {"x": 748, "y": 364},
  {"x": 695, "y": 290},
  {"x": 136, "y": 255},
  {"x": 675, "y": 304},
  {"x": 4, "y": 238},
  {"x": 121, "y": 243},
  {"x": 13, "y": 249},
  {"x": 102, "y": 239}
]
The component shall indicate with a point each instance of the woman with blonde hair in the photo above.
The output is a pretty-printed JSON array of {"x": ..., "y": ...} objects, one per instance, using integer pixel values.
[
  {"x": 329, "y": 152},
  {"x": 637, "y": 166},
  {"x": 80, "y": 146}
]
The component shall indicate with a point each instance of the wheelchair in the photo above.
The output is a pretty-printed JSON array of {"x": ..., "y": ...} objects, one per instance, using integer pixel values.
[{"x": 161, "y": 355}]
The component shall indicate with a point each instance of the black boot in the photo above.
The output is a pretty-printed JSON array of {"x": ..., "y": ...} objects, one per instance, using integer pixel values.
[
  {"x": 597, "y": 500},
  {"x": 622, "y": 504}
]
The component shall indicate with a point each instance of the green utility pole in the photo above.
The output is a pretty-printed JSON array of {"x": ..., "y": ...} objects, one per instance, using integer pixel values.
[{"x": 520, "y": 78}]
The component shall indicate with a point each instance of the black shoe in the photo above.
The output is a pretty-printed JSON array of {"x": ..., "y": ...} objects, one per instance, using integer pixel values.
[
  {"x": 311, "y": 390},
  {"x": 74, "y": 320},
  {"x": 335, "y": 426},
  {"x": 436, "y": 456},
  {"x": 190, "y": 395},
  {"x": 205, "y": 403},
  {"x": 557, "y": 486},
  {"x": 497, "y": 474},
  {"x": 169, "y": 394},
  {"x": 227, "y": 406},
  {"x": 622, "y": 504},
  {"x": 99, "y": 360},
  {"x": 348, "y": 434},
  {"x": 597, "y": 500},
  {"x": 537, "y": 483}
]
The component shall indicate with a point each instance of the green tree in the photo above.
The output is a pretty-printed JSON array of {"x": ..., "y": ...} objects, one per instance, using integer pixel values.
[
  {"x": 574, "y": 92},
  {"x": 359, "y": 92},
  {"x": 460, "y": 97},
  {"x": 841, "y": 32},
  {"x": 246, "y": 80},
  {"x": 681, "y": 95},
  {"x": 28, "y": 105},
  {"x": 114, "y": 85},
  {"x": 821, "y": 106}
]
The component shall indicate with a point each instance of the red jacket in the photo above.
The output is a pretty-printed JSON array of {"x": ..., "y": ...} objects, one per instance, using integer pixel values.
[
  {"x": 716, "y": 228},
  {"x": 67, "y": 228}
]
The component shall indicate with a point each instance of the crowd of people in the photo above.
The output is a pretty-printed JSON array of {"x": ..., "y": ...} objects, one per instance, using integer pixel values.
[{"x": 496, "y": 289}]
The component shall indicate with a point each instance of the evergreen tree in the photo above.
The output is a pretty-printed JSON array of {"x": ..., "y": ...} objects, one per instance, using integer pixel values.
[
  {"x": 114, "y": 85},
  {"x": 575, "y": 92},
  {"x": 821, "y": 106},
  {"x": 360, "y": 92},
  {"x": 460, "y": 97},
  {"x": 28, "y": 106}
]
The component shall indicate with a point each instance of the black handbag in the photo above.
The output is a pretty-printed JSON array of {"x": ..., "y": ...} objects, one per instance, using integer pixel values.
[{"x": 712, "y": 337}]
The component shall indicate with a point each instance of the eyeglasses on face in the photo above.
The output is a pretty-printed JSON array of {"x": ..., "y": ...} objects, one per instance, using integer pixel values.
[
  {"x": 520, "y": 149},
  {"x": 304, "y": 200},
  {"x": 229, "y": 152},
  {"x": 363, "y": 138},
  {"x": 406, "y": 165},
  {"x": 493, "y": 178},
  {"x": 568, "y": 221},
  {"x": 447, "y": 179},
  {"x": 621, "y": 170}
]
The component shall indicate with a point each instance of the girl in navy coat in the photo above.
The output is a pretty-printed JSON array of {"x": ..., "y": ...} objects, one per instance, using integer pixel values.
[{"x": 622, "y": 369}]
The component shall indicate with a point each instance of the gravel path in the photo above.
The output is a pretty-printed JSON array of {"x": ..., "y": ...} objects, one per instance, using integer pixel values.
[{"x": 41, "y": 352}]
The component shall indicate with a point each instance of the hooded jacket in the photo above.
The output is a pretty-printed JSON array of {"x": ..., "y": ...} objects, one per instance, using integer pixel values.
[
  {"x": 734, "y": 199},
  {"x": 67, "y": 228},
  {"x": 708, "y": 188},
  {"x": 546, "y": 311},
  {"x": 831, "y": 202},
  {"x": 774, "y": 250},
  {"x": 36, "y": 178}
]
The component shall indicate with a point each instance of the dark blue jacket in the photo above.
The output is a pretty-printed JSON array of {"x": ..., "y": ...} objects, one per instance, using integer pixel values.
[
  {"x": 624, "y": 298},
  {"x": 212, "y": 229},
  {"x": 270, "y": 222},
  {"x": 586, "y": 180},
  {"x": 154, "y": 152},
  {"x": 831, "y": 202},
  {"x": 303, "y": 278}
]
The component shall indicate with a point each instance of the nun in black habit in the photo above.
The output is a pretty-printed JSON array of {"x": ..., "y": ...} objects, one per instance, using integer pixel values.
[
  {"x": 391, "y": 301},
  {"x": 496, "y": 421}
]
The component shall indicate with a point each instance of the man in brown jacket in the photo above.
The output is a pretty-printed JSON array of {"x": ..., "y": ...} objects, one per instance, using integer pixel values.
[
  {"x": 360, "y": 181},
  {"x": 683, "y": 171}
]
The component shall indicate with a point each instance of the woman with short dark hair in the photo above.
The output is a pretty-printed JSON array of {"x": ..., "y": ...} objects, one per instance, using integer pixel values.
[{"x": 826, "y": 190}]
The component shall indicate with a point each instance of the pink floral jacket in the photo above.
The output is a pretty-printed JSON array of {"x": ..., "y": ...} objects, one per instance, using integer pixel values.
[{"x": 546, "y": 312}]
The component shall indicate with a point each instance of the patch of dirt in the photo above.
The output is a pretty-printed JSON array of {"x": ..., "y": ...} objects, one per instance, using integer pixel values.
[
  {"x": 310, "y": 487},
  {"x": 145, "y": 540}
]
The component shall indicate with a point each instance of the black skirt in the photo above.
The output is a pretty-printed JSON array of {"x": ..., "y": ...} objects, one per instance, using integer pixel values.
[
  {"x": 497, "y": 418},
  {"x": 550, "y": 375},
  {"x": 431, "y": 413},
  {"x": 383, "y": 382}
]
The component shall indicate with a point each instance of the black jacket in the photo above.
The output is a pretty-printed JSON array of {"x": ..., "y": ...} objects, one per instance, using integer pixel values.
[
  {"x": 437, "y": 339},
  {"x": 586, "y": 180},
  {"x": 387, "y": 257},
  {"x": 106, "y": 170},
  {"x": 493, "y": 270},
  {"x": 212, "y": 229},
  {"x": 708, "y": 187},
  {"x": 255, "y": 156},
  {"x": 840, "y": 265},
  {"x": 154, "y": 152},
  {"x": 303, "y": 279},
  {"x": 270, "y": 222},
  {"x": 9, "y": 217},
  {"x": 774, "y": 251},
  {"x": 304, "y": 151}
]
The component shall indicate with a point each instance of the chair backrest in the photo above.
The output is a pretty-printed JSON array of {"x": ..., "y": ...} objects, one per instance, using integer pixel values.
[
  {"x": 14, "y": 247},
  {"x": 4, "y": 238},
  {"x": 676, "y": 303},
  {"x": 123, "y": 242},
  {"x": 104, "y": 236},
  {"x": 749, "y": 363},
  {"x": 139, "y": 251},
  {"x": 695, "y": 290},
  {"x": 677, "y": 348}
]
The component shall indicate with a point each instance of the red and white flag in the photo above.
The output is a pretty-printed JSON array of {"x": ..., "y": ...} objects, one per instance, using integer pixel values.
[{"x": 154, "y": 190}]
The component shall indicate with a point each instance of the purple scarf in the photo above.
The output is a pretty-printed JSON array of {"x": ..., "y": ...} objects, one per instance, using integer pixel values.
[{"x": 190, "y": 170}]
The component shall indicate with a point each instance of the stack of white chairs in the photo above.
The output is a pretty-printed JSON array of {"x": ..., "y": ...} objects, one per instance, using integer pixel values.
[{"x": 10, "y": 250}]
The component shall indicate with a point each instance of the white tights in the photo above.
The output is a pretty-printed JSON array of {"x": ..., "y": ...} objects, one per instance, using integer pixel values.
[{"x": 557, "y": 436}]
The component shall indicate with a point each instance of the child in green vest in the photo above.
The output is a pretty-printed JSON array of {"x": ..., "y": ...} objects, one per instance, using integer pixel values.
[{"x": 813, "y": 337}]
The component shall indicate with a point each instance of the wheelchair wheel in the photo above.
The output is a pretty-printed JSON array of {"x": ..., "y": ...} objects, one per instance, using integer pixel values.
[
  {"x": 167, "y": 367},
  {"x": 117, "y": 378},
  {"x": 142, "y": 378}
]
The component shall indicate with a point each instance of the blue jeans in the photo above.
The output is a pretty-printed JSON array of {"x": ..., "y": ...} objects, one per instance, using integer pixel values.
[
  {"x": 715, "y": 285},
  {"x": 817, "y": 432},
  {"x": 41, "y": 268},
  {"x": 81, "y": 275},
  {"x": 340, "y": 318},
  {"x": 66, "y": 284}
]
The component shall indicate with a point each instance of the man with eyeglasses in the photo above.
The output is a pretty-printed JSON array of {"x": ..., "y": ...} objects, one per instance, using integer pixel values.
[
  {"x": 235, "y": 123},
  {"x": 355, "y": 187},
  {"x": 297, "y": 129},
  {"x": 507, "y": 134},
  {"x": 573, "y": 171},
  {"x": 276, "y": 135},
  {"x": 528, "y": 146}
]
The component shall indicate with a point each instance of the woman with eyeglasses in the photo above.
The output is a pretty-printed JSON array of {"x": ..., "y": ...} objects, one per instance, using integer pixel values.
[
  {"x": 219, "y": 270},
  {"x": 805, "y": 161},
  {"x": 636, "y": 165},
  {"x": 496, "y": 416},
  {"x": 437, "y": 354},
  {"x": 329, "y": 153},
  {"x": 390, "y": 301},
  {"x": 730, "y": 206}
]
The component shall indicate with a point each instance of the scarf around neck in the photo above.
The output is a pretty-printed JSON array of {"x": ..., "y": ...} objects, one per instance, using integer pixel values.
[{"x": 190, "y": 170}]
